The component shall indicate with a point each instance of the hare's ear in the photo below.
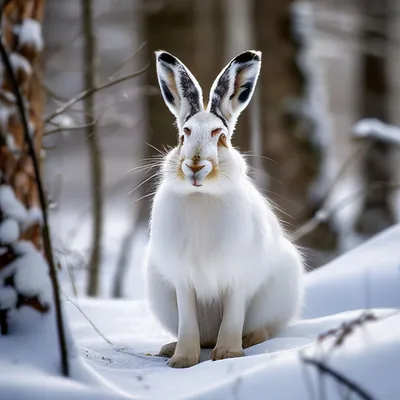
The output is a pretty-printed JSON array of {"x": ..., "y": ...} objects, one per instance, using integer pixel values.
[
  {"x": 180, "y": 89},
  {"x": 234, "y": 87}
]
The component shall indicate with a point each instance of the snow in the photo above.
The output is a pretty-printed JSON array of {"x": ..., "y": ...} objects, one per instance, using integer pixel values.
[
  {"x": 34, "y": 216},
  {"x": 8, "y": 298},
  {"x": 31, "y": 276},
  {"x": 367, "y": 277},
  {"x": 63, "y": 121},
  {"x": 336, "y": 294},
  {"x": 6, "y": 110},
  {"x": 10, "y": 143},
  {"x": 30, "y": 34},
  {"x": 10, "y": 205},
  {"x": 376, "y": 129},
  {"x": 7, "y": 96},
  {"x": 19, "y": 62},
  {"x": 9, "y": 231}
]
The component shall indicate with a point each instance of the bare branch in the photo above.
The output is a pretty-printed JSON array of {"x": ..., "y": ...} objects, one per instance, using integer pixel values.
[
  {"x": 90, "y": 91},
  {"x": 324, "y": 369},
  {"x": 323, "y": 214},
  {"x": 128, "y": 59},
  {"x": 67, "y": 128}
]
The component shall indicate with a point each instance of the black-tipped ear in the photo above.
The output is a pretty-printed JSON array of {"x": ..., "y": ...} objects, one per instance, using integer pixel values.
[
  {"x": 231, "y": 92},
  {"x": 180, "y": 89}
]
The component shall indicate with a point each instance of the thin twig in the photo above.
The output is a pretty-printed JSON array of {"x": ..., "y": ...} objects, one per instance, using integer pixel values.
[
  {"x": 91, "y": 323},
  {"x": 42, "y": 198},
  {"x": 357, "y": 153},
  {"x": 67, "y": 128},
  {"x": 323, "y": 215},
  {"x": 90, "y": 91},
  {"x": 324, "y": 369},
  {"x": 128, "y": 59}
]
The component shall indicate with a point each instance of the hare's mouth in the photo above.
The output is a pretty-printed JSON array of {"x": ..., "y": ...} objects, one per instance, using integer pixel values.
[
  {"x": 196, "y": 172},
  {"x": 196, "y": 184}
]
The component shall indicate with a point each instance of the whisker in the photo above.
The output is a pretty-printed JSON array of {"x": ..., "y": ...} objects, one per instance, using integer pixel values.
[
  {"x": 249, "y": 154},
  {"x": 142, "y": 183},
  {"x": 158, "y": 150},
  {"x": 143, "y": 167},
  {"x": 143, "y": 197}
]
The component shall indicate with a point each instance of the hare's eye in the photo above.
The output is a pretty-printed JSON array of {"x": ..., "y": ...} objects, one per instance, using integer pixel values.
[
  {"x": 187, "y": 131},
  {"x": 215, "y": 132},
  {"x": 222, "y": 140}
]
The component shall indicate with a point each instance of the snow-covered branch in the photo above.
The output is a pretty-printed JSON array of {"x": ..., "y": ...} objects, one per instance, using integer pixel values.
[{"x": 376, "y": 129}]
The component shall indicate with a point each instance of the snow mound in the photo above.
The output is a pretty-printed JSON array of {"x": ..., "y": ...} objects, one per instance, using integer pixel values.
[
  {"x": 336, "y": 332},
  {"x": 336, "y": 294}
]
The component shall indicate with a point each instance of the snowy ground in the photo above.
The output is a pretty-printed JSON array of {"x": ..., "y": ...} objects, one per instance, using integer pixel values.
[{"x": 368, "y": 277}]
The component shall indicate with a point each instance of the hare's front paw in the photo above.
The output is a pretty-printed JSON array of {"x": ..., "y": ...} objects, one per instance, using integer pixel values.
[
  {"x": 219, "y": 353},
  {"x": 167, "y": 350},
  {"x": 184, "y": 361}
]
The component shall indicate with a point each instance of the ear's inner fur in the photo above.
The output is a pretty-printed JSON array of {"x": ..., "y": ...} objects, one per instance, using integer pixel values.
[
  {"x": 190, "y": 93},
  {"x": 235, "y": 82},
  {"x": 221, "y": 90},
  {"x": 180, "y": 83}
]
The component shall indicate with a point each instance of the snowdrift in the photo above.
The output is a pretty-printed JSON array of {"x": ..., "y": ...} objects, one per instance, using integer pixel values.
[{"x": 354, "y": 298}]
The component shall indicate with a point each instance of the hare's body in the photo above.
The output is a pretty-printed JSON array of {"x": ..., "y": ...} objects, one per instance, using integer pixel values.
[
  {"x": 218, "y": 244},
  {"x": 220, "y": 269}
]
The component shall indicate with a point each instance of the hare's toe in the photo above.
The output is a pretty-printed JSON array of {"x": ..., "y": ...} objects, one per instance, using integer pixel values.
[
  {"x": 256, "y": 337},
  {"x": 220, "y": 353},
  {"x": 167, "y": 350},
  {"x": 184, "y": 361}
]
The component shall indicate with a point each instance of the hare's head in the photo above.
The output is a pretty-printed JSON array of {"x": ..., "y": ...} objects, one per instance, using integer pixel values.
[{"x": 204, "y": 155}]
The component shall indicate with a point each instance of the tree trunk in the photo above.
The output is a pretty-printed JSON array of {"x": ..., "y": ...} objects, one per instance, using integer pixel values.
[
  {"x": 89, "y": 56},
  {"x": 18, "y": 185},
  {"x": 376, "y": 213},
  {"x": 288, "y": 132}
]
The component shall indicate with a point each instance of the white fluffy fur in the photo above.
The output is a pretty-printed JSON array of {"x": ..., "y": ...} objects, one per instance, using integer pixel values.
[{"x": 219, "y": 264}]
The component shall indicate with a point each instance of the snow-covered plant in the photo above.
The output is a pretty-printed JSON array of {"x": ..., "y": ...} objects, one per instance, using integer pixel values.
[{"x": 24, "y": 276}]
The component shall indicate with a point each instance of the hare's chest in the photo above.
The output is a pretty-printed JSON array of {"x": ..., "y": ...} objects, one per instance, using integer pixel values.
[{"x": 197, "y": 231}]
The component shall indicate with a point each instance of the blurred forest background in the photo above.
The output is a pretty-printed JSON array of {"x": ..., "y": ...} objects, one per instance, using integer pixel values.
[{"x": 326, "y": 65}]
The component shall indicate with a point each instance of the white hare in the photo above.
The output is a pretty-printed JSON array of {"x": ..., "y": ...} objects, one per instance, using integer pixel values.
[{"x": 220, "y": 271}]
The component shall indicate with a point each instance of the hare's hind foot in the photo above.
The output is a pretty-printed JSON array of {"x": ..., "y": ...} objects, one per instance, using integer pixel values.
[
  {"x": 167, "y": 350},
  {"x": 258, "y": 336}
]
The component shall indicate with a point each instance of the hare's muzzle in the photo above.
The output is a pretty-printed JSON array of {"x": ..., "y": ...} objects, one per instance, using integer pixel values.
[{"x": 196, "y": 172}]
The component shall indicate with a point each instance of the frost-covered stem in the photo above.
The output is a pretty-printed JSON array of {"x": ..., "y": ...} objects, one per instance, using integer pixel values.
[
  {"x": 42, "y": 198},
  {"x": 89, "y": 54}
]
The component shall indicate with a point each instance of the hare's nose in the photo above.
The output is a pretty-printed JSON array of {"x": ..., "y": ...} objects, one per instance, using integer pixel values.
[{"x": 195, "y": 168}]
